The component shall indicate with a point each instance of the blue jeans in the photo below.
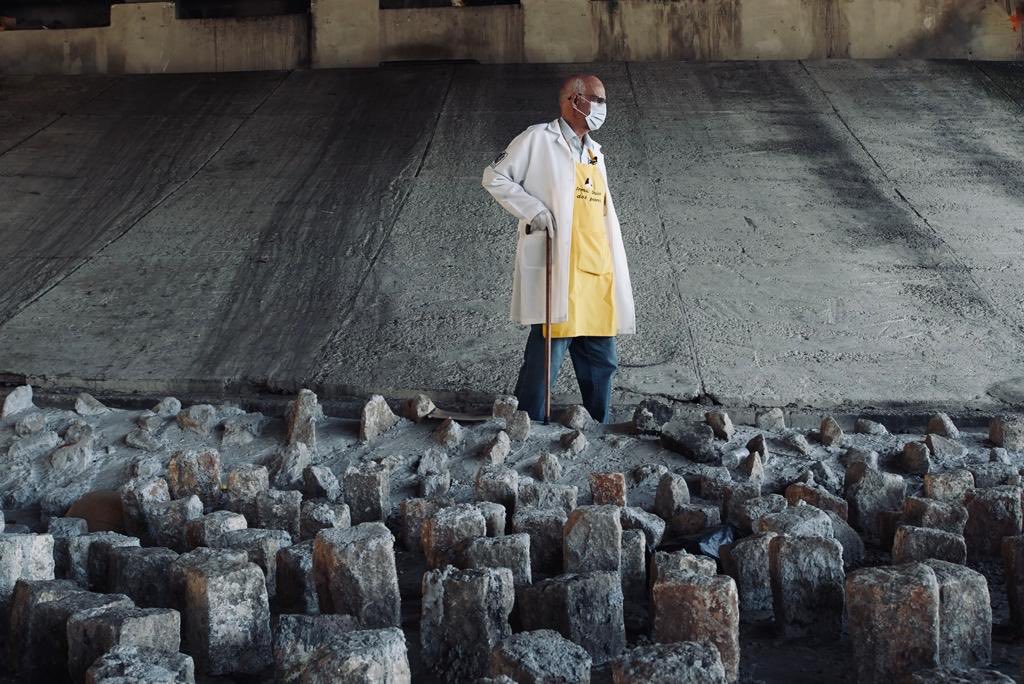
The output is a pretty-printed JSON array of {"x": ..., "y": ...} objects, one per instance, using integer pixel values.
[{"x": 593, "y": 359}]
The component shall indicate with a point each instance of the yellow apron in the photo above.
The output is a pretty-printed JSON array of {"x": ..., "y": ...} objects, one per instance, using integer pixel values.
[{"x": 591, "y": 298}]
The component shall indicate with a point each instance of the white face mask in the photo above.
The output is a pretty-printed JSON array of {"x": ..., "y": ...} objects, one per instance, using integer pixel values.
[{"x": 597, "y": 115}]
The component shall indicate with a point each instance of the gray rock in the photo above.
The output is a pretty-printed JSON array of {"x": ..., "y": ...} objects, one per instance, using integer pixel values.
[
  {"x": 373, "y": 655},
  {"x": 142, "y": 574},
  {"x": 92, "y": 633},
  {"x": 24, "y": 556},
  {"x": 518, "y": 426},
  {"x": 261, "y": 547},
  {"x": 447, "y": 529},
  {"x": 368, "y": 492},
  {"x": 544, "y": 527},
  {"x": 573, "y": 441},
  {"x": 498, "y": 449},
  {"x": 965, "y": 615},
  {"x": 124, "y": 664},
  {"x": 243, "y": 485},
  {"x": 136, "y": 494},
  {"x": 694, "y": 442},
  {"x": 673, "y": 493},
  {"x": 915, "y": 458},
  {"x": 893, "y": 621},
  {"x": 946, "y": 451},
  {"x": 419, "y": 407},
  {"x": 938, "y": 515},
  {"x": 746, "y": 514},
  {"x": 921, "y": 543},
  {"x": 497, "y": 483},
  {"x": 747, "y": 562},
  {"x": 88, "y": 405},
  {"x": 650, "y": 416},
  {"x": 166, "y": 521},
  {"x": 539, "y": 657},
  {"x": 97, "y": 548},
  {"x": 304, "y": 412},
  {"x": 633, "y": 565},
  {"x": 449, "y": 434},
  {"x": 999, "y": 455},
  {"x": 32, "y": 446},
  {"x": 721, "y": 424},
  {"x": 869, "y": 427},
  {"x": 298, "y": 637},
  {"x": 1007, "y": 432},
  {"x": 951, "y": 486},
  {"x": 592, "y": 539},
  {"x": 686, "y": 662},
  {"x": 993, "y": 474},
  {"x": 807, "y": 586},
  {"x": 798, "y": 521},
  {"x": 295, "y": 584},
  {"x": 62, "y": 529},
  {"x": 280, "y": 510},
  {"x": 149, "y": 421},
  {"x": 576, "y": 417},
  {"x": 413, "y": 514},
  {"x": 547, "y": 468},
  {"x": 771, "y": 419},
  {"x": 942, "y": 424},
  {"x": 200, "y": 418},
  {"x": 504, "y": 407},
  {"x": 207, "y": 530},
  {"x": 464, "y": 616},
  {"x": 377, "y": 418},
  {"x": 830, "y": 433},
  {"x": 512, "y": 552},
  {"x": 693, "y": 607},
  {"x": 30, "y": 423},
  {"x": 22, "y": 604},
  {"x": 195, "y": 473},
  {"x": 651, "y": 525},
  {"x": 495, "y": 516},
  {"x": 545, "y": 495},
  {"x": 663, "y": 562},
  {"x": 168, "y": 407},
  {"x": 853, "y": 545},
  {"x": 320, "y": 482},
  {"x": 143, "y": 440},
  {"x": 870, "y": 492},
  {"x": 585, "y": 608},
  {"x": 321, "y": 515},
  {"x": 243, "y": 429},
  {"x": 17, "y": 401},
  {"x": 695, "y": 517},
  {"x": 290, "y": 465},
  {"x": 853, "y": 456},
  {"x": 992, "y": 514},
  {"x": 958, "y": 675},
  {"x": 355, "y": 574}
]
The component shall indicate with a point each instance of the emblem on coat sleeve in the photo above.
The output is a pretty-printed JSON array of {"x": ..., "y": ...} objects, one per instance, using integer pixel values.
[{"x": 497, "y": 160}]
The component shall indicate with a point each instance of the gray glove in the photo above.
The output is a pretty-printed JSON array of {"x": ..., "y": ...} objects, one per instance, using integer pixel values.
[{"x": 542, "y": 221}]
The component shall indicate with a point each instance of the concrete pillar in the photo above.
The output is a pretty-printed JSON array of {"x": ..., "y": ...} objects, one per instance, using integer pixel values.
[
  {"x": 345, "y": 33},
  {"x": 558, "y": 31}
]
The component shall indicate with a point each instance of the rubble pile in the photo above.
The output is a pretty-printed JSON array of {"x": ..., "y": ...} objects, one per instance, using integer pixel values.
[{"x": 179, "y": 543}]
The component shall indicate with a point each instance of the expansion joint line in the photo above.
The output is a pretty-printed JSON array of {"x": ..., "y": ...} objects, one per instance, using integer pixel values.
[
  {"x": 88, "y": 259},
  {"x": 963, "y": 267},
  {"x": 680, "y": 301},
  {"x": 60, "y": 116}
]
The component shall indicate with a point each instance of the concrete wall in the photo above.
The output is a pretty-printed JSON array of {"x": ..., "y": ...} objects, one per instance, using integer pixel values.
[{"x": 146, "y": 37}]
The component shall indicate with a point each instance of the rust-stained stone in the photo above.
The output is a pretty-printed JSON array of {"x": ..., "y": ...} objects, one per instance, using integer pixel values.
[{"x": 608, "y": 488}]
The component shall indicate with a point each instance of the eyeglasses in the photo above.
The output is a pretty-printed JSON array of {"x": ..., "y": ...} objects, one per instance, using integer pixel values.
[{"x": 593, "y": 98}]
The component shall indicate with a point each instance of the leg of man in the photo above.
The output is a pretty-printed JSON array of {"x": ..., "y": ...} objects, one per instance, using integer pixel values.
[
  {"x": 595, "y": 361},
  {"x": 530, "y": 385}
]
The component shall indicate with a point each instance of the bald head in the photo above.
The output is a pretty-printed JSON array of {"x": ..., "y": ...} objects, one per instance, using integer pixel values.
[{"x": 575, "y": 96}]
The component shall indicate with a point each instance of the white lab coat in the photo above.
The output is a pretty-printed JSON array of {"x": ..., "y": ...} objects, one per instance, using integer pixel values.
[{"x": 536, "y": 172}]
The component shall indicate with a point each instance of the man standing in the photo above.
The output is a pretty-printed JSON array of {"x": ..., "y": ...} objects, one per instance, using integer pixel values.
[{"x": 552, "y": 177}]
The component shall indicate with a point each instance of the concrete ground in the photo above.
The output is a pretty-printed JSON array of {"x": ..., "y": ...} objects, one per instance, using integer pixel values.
[{"x": 816, "y": 234}]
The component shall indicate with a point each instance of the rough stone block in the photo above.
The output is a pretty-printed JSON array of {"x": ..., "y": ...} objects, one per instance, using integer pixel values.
[
  {"x": 633, "y": 564},
  {"x": 546, "y": 495},
  {"x": 295, "y": 583},
  {"x": 541, "y": 657},
  {"x": 280, "y": 510},
  {"x": 817, "y": 497},
  {"x": 651, "y": 525},
  {"x": 289, "y": 466},
  {"x": 747, "y": 562},
  {"x": 965, "y": 615},
  {"x": 608, "y": 488},
  {"x": 320, "y": 482},
  {"x": 951, "y": 486},
  {"x": 695, "y": 442},
  {"x": 447, "y": 529},
  {"x": 322, "y": 515},
  {"x": 376, "y": 419},
  {"x": 994, "y": 474},
  {"x": 91, "y": 633},
  {"x": 512, "y": 552},
  {"x": 921, "y": 543},
  {"x": 497, "y": 483},
  {"x": 592, "y": 539},
  {"x": 361, "y": 657},
  {"x": 261, "y": 547},
  {"x": 297, "y": 638},
  {"x": 195, "y": 473},
  {"x": 62, "y": 529},
  {"x": 937, "y": 515},
  {"x": 465, "y": 615},
  {"x": 24, "y": 556},
  {"x": 746, "y": 514},
  {"x": 853, "y": 545},
  {"x": 1007, "y": 432},
  {"x": 667, "y": 561},
  {"x": 27, "y": 595},
  {"x": 893, "y": 621},
  {"x": 498, "y": 449},
  {"x": 414, "y": 513},
  {"x": 136, "y": 494},
  {"x": 693, "y": 607},
  {"x": 243, "y": 485},
  {"x": 916, "y": 458},
  {"x": 547, "y": 468},
  {"x": 143, "y": 575},
  {"x": 355, "y": 574},
  {"x": 545, "y": 529},
  {"x": 125, "y": 664},
  {"x": 992, "y": 514},
  {"x": 367, "y": 492},
  {"x": 830, "y": 433},
  {"x": 504, "y": 407},
  {"x": 518, "y": 426},
  {"x": 869, "y": 491},
  {"x": 695, "y": 517},
  {"x": 685, "y": 662},
  {"x": 166, "y": 521},
  {"x": 45, "y": 658},
  {"x": 958, "y": 675},
  {"x": 798, "y": 521},
  {"x": 673, "y": 493},
  {"x": 586, "y": 609},
  {"x": 226, "y": 613},
  {"x": 807, "y": 586},
  {"x": 208, "y": 530},
  {"x": 495, "y": 517}
]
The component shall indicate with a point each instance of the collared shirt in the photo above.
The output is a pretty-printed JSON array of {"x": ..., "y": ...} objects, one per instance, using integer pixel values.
[{"x": 578, "y": 148}]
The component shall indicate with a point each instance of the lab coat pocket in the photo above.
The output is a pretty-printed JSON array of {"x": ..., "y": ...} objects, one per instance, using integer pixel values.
[{"x": 533, "y": 250}]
